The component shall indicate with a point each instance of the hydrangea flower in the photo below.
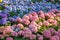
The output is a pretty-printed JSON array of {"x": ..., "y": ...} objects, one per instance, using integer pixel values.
[
  {"x": 33, "y": 28},
  {"x": 27, "y": 32},
  {"x": 41, "y": 14},
  {"x": 20, "y": 26},
  {"x": 25, "y": 21},
  {"x": 54, "y": 37},
  {"x": 40, "y": 37},
  {"x": 18, "y": 19},
  {"x": 26, "y": 17},
  {"x": 52, "y": 30},
  {"x": 9, "y": 38},
  {"x": 14, "y": 34},
  {"x": 20, "y": 33},
  {"x": 32, "y": 36},
  {"x": 46, "y": 23},
  {"x": 47, "y": 33}
]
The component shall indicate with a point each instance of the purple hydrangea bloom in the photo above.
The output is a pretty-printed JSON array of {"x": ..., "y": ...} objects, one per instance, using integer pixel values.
[
  {"x": 27, "y": 32},
  {"x": 52, "y": 30},
  {"x": 40, "y": 38},
  {"x": 47, "y": 33},
  {"x": 57, "y": 33},
  {"x": 55, "y": 37},
  {"x": 11, "y": 19},
  {"x": 3, "y": 22},
  {"x": 33, "y": 28}
]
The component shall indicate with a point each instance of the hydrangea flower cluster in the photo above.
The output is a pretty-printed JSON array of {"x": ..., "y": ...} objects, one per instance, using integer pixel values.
[
  {"x": 52, "y": 36},
  {"x": 33, "y": 26},
  {"x": 25, "y": 6},
  {"x": 3, "y": 17}
]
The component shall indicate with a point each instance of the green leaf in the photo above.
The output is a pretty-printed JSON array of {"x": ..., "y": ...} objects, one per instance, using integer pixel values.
[
  {"x": 2, "y": 8},
  {"x": 18, "y": 11},
  {"x": 12, "y": 14},
  {"x": 42, "y": 29},
  {"x": 56, "y": 28},
  {"x": 42, "y": 19},
  {"x": 2, "y": 39},
  {"x": 25, "y": 38},
  {"x": 59, "y": 22},
  {"x": 24, "y": 13}
]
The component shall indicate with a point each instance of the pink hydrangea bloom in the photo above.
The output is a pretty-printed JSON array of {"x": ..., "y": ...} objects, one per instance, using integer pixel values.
[
  {"x": 18, "y": 19},
  {"x": 52, "y": 17},
  {"x": 27, "y": 32},
  {"x": 50, "y": 20},
  {"x": 20, "y": 26},
  {"x": 51, "y": 13},
  {"x": 41, "y": 14},
  {"x": 56, "y": 10},
  {"x": 33, "y": 13},
  {"x": 40, "y": 23},
  {"x": 33, "y": 28},
  {"x": 58, "y": 14},
  {"x": 9, "y": 38},
  {"x": 20, "y": 32},
  {"x": 30, "y": 15},
  {"x": 47, "y": 33},
  {"x": 33, "y": 36},
  {"x": 53, "y": 10},
  {"x": 40, "y": 38},
  {"x": 25, "y": 21},
  {"x": 55, "y": 37},
  {"x": 54, "y": 22},
  {"x": 7, "y": 30},
  {"x": 34, "y": 18},
  {"x": 25, "y": 17},
  {"x": 49, "y": 16},
  {"x": 46, "y": 23},
  {"x": 34, "y": 23},
  {"x": 14, "y": 34}
]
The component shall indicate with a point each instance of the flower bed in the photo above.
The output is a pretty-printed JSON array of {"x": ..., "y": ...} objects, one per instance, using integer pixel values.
[
  {"x": 29, "y": 20},
  {"x": 33, "y": 26}
]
